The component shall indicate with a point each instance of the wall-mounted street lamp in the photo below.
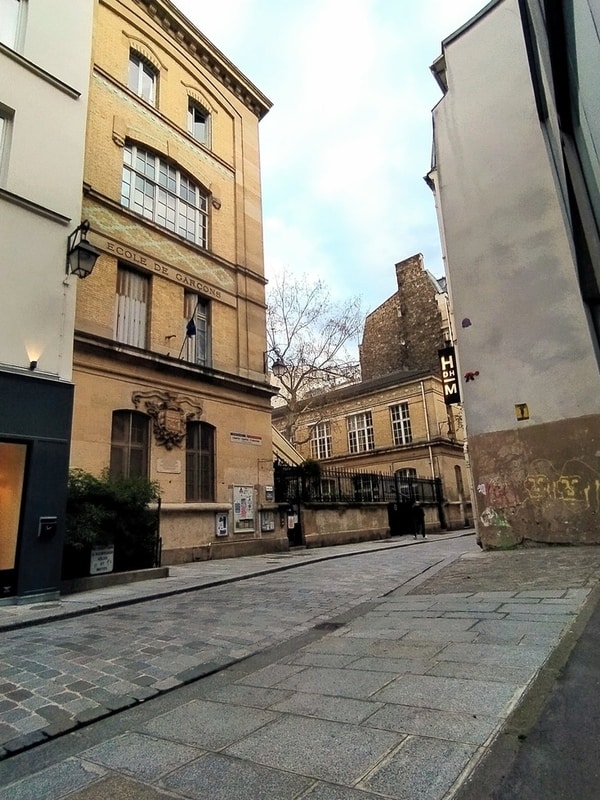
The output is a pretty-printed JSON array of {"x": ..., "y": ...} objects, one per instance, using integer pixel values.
[
  {"x": 278, "y": 367},
  {"x": 81, "y": 255}
]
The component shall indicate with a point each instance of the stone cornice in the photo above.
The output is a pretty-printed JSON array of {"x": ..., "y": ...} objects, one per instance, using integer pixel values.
[{"x": 191, "y": 39}]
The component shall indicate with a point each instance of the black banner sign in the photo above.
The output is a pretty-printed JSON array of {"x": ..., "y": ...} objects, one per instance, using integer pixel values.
[{"x": 449, "y": 375}]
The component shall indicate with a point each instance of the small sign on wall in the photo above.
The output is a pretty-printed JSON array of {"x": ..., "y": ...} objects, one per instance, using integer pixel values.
[
  {"x": 222, "y": 524},
  {"x": 521, "y": 411},
  {"x": 102, "y": 560},
  {"x": 267, "y": 521},
  {"x": 449, "y": 375}
]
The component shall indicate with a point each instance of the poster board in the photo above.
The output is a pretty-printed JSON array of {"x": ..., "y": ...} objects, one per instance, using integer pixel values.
[{"x": 243, "y": 509}]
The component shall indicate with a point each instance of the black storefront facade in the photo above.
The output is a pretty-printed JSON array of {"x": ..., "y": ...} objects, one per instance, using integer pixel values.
[{"x": 35, "y": 433}]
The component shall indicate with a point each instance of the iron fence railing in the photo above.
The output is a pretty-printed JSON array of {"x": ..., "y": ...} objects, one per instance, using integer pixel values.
[{"x": 297, "y": 484}]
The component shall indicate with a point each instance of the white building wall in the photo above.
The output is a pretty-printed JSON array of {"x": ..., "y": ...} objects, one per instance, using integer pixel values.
[
  {"x": 44, "y": 91},
  {"x": 508, "y": 253},
  {"x": 522, "y": 332}
]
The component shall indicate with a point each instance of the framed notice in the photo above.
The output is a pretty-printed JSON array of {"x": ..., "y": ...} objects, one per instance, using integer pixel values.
[
  {"x": 243, "y": 509},
  {"x": 102, "y": 559}
]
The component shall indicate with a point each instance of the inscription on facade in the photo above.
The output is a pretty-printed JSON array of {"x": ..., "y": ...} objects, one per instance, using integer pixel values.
[{"x": 139, "y": 259}]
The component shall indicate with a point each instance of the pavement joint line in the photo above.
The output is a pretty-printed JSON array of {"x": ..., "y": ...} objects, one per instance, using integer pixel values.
[{"x": 109, "y": 605}]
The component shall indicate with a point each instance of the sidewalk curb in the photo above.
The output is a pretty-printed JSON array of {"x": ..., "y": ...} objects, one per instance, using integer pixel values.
[{"x": 13, "y": 625}]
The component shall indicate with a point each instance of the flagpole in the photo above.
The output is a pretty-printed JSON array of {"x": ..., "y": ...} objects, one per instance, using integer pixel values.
[{"x": 191, "y": 320}]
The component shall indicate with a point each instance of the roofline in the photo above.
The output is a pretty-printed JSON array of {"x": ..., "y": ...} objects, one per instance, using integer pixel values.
[
  {"x": 396, "y": 379},
  {"x": 438, "y": 67},
  {"x": 481, "y": 13},
  {"x": 201, "y": 48}
]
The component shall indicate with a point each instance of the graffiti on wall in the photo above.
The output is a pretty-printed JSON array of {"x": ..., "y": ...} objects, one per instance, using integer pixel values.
[{"x": 576, "y": 485}]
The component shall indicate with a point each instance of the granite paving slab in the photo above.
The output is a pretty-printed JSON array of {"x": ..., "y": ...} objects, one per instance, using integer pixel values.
[
  {"x": 53, "y": 783},
  {"x": 207, "y": 724},
  {"x": 450, "y": 694},
  {"x": 219, "y": 777},
  {"x": 359, "y": 684},
  {"x": 421, "y": 769},
  {"x": 140, "y": 756},
  {"x": 337, "y": 709},
  {"x": 338, "y": 752},
  {"x": 434, "y": 723}
]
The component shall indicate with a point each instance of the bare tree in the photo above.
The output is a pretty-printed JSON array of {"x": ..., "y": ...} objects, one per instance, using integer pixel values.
[{"x": 310, "y": 338}]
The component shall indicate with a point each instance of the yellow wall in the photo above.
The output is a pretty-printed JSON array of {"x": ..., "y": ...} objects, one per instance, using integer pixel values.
[
  {"x": 232, "y": 393},
  {"x": 431, "y": 452}
]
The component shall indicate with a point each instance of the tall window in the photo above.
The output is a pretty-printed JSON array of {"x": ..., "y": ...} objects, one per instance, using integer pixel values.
[
  {"x": 131, "y": 307},
  {"x": 405, "y": 482},
  {"x": 197, "y": 328},
  {"x": 366, "y": 488},
  {"x": 160, "y": 192},
  {"x": 12, "y": 19},
  {"x": 401, "y": 430},
  {"x": 142, "y": 78},
  {"x": 5, "y": 127},
  {"x": 198, "y": 123},
  {"x": 360, "y": 432},
  {"x": 129, "y": 444},
  {"x": 200, "y": 462},
  {"x": 320, "y": 441}
]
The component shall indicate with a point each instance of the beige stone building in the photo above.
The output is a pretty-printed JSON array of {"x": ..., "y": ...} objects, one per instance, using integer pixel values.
[
  {"x": 395, "y": 421},
  {"x": 169, "y": 359}
]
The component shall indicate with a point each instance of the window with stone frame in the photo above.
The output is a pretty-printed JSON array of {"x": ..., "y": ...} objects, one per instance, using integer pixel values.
[
  {"x": 199, "y": 123},
  {"x": 196, "y": 316},
  {"x": 12, "y": 22},
  {"x": 129, "y": 443},
  {"x": 131, "y": 307},
  {"x": 162, "y": 193},
  {"x": 401, "y": 429},
  {"x": 200, "y": 463},
  {"x": 360, "y": 432},
  {"x": 6, "y": 117},
  {"x": 142, "y": 77},
  {"x": 320, "y": 441}
]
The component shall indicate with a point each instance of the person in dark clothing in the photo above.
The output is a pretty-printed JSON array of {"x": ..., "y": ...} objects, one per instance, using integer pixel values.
[{"x": 418, "y": 514}]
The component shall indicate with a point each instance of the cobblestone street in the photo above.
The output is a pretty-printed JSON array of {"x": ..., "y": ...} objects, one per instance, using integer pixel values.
[{"x": 56, "y": 676}]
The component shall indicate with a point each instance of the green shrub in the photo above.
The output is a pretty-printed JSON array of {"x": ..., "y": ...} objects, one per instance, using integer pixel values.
[{"x": 109, "y": 511}]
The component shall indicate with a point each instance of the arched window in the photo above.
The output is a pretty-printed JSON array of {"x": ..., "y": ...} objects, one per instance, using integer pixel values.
[
  {"x": 129, "y": 444},
  {"x": 157, "y": 190},
  {"x": 200, "y": 462}
]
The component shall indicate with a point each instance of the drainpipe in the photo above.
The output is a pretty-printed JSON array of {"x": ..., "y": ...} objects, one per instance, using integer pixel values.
[{"x": 427, "y": 430}]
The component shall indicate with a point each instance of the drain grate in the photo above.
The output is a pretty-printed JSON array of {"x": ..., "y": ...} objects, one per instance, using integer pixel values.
[{"x": 329, "y": 626}]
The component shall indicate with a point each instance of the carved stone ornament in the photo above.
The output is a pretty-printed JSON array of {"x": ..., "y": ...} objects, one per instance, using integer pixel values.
[{"x": 169, "y": 413}]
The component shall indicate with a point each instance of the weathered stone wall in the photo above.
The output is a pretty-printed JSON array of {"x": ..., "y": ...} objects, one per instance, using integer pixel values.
[
  {"x": 406, "y": 331},
  {"x": 342, "y": 524},
  {"x": 538, "y": 484}
]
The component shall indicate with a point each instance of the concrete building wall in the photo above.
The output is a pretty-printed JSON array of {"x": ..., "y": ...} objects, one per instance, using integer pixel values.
[
  {"x": 44, "y": 69},
  {"x": 43, "y": 98},
  {"x": 533, "y": 398}
]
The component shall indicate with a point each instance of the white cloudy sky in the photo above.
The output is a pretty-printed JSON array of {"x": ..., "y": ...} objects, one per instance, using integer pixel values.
[{"x": 348, "y": 140}]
